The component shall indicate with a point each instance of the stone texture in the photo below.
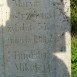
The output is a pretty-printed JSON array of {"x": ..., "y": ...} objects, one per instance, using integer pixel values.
[{"x": 35, "y": 38}]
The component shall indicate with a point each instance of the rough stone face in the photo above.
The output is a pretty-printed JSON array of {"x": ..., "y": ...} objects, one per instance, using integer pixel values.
[{"x": 35, "y": 38}]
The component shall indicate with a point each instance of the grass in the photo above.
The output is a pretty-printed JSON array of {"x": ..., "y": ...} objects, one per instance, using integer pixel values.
[
  {"x": 74, "y": 57},
  {"x": 74, "y": 38}
]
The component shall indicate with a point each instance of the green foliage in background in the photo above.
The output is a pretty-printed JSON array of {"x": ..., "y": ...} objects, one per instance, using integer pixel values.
[
  {"x": 74, "y": 57},
  {"x": 74, "y": 17},
  {"x": 74, "y": 37}
]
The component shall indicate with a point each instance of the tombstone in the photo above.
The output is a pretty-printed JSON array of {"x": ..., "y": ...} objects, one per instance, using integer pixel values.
[{"x": 35, "y": 38}]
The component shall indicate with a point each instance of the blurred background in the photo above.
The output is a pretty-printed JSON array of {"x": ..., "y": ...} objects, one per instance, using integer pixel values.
[{"x": 74, "y": 37}]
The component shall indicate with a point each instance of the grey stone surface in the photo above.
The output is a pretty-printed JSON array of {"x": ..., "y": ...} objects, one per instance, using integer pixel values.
[{"x": 35, "y": 38}]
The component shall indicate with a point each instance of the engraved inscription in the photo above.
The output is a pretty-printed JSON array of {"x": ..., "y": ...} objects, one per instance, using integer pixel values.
[{"x": 31, "y": 32}]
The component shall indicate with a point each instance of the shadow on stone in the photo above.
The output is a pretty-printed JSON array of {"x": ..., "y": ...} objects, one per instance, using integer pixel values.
[{"x": 33, "y": 33}]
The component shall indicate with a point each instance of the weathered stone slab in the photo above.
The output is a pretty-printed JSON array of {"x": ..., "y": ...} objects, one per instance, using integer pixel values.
[{"x": 35, "y": 38}]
